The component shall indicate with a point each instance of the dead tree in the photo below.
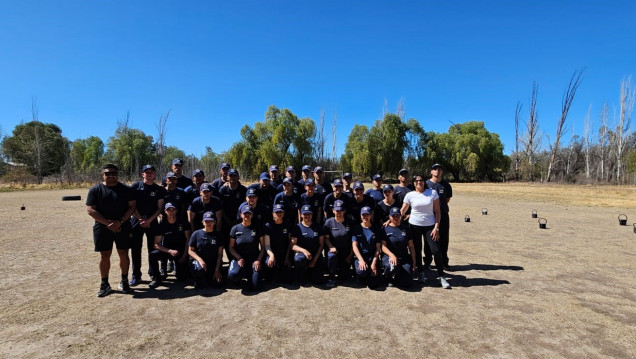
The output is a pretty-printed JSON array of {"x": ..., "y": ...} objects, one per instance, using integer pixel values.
[
  {"x": 319, "y": 144},
  {"x": 624, "y": 123},
  {"x": 603, "y": 139},
  {"x": 334, "y": 130},
  {"x": 568, "y": 98},
  {"x": 517, "y": 159},
  {"x": 161, "y": 141},
  {"x": 531, "y": 141},
  {"x": 586, "y": 143}
]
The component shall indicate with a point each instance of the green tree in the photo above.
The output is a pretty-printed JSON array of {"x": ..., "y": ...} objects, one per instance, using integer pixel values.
[
  {"x": 130, "y": 148},
  {"x": 356, "y": 157},
  {"x": 416, "y": 146},
  {"x": 87, "y": 154},
  {"x": 39, "y": 146}
]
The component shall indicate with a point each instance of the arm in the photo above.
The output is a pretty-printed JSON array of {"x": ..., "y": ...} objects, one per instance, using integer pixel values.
[
  {"x": 259, "y": 259},
  {"x": 195, "y": 256},
  {"x": 296, "y": 248},
  {"x": 217, "y": 268},
  {"x": 235, "y": 254},
  {"x": 362, "y": 265},
  {"x": 112, "y": 225},
  {"x": 435, "y": 232},
  {"x": 376, "y": 256},
  {"x": 219, "y": 216},
  {"x": 321, "y": 244},
  {"x": 191, "y": 218},
  {"x": 405, "y": 207},
  {"x": 392, "y": 257},
  {"x": 184, "y": 257},
  {"x": 159, "y": 246},
  {"x": 268, "y": 249},
  {"x": 331, "y": 247}
]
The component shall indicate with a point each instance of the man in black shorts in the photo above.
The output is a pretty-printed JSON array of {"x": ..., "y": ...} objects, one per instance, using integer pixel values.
[{"x": 111, "y": 204}]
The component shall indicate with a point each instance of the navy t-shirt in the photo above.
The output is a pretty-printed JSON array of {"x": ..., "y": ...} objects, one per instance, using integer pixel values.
[
  {"x": 278, "y": 237},
  {"x": 232, "y": 199},
  {"x": 339, "y": 233},
  {"x": 174, "y": 235},
  {"x": 353, "y": 212},
  {"x": 206, "y": 244},
  {"x": 179, "y": 199},
  {"x": 261, "y": 214},
  {"x": 146, "y": 197},
  {"x": 110, "y": 202},
  {"x": 331, "y": 199},
  {"x": 199, "y": 208},
  {"x": 308, "y": 237},
  {"x": 397, "y": 241},
  {"x": 291, "y": 205},
  {"x": 367, "y": 239},
  {"x": 265, "y": 195},
  {"x": 382, "y": 209},
  {"x": 247, "y": 242},
  {"x": 315, "y": 202},
  {"x": 444, "y": 190}
]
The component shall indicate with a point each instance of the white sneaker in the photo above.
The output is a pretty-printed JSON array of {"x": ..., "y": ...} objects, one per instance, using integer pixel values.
[
  {"x": 331, "y": 283},
  {"x": 422, "y": 277},
  {"x": 444, "y": 282}
]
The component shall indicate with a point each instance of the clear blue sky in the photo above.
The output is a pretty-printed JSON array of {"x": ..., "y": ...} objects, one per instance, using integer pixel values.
[{"x": 218, "y": 65}]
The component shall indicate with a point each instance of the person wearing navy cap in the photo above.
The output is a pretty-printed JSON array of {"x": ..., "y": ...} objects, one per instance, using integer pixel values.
[
  {"x": 313, "y": 199},
  {"x": 181, "y": 200},
  {"x": 274, "y": 176},
  {"x": 445, "y": 192},
  {"x": 347, "y": 181},
  {"x": 331, "y": 198},
  {"x": 232, "y": 195},
  {"x": 177, "y": 168},
  {"x": 306, "y": 172},
  {"x": 323, "y": 187},
  {"x": 205, "y": 247},
  {"x": 290, "y": 173},
  {"x": 277, "y": 245},
  {"x": 149, "y": 197},
  {"x": 111, "y": 203},
  {"x": 290, "y": 200},
  {"x": 247, "y": 249},
  {"x": 376, "y": 191},
  {"x": 307, "y": 241},
  {"x": 170, "y": 242},
  {"x": 198, "y": 178},
  {"x": 266, "y": 192},
  {"x": 261, "y": 213},
  {"x": 405, "y": 185},
  {"x": 337, "y": 230},
  {"x": 399, "y": 253},
  {"x": 206, "y": 202},
  {"x": 358, "y": 201},
  {"x": 367, "y": 246},
  {"x": 382, "y": 208},
  {"x": 224, "y": 170}
]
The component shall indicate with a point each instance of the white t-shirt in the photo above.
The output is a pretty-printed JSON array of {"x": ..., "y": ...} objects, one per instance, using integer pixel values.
[{"x": 422, "y": 213}]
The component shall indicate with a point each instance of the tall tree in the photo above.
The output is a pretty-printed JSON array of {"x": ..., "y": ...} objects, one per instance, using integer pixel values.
[
  {"x": 130, "y": 148},
  {"x": 624, "y": 123},
  {"x": 86, "y": 154},
  {"x": 603, "y": 139},
  {"x": 532, "y": 141},
  {"x": 517, "y": 159}
]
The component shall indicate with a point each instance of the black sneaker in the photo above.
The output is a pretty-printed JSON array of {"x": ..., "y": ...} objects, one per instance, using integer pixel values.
[
  {"x": 134, "y": 281},
  {"x": 124, "y": 287},
  {"x": 104, "y": 290},
  {"x": 170, "y": 268},
  {"x": 155, "y": 283}
]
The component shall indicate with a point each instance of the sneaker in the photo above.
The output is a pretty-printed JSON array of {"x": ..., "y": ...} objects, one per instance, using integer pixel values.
[
  {"x": 124, "y": 287},
  {"x": 444, "y": 282},
  {"x": 162, "y": 273},
  {"x": 422, "y": 277},
  {"x": 390, "y": 284},
  {"x": 104, "y": 290},
  {"x": 154, "y": 284},
  {"x": 134, "y": 281},
  {"x": 331, "y": 283},
  {"x": 170, "y": 267}
]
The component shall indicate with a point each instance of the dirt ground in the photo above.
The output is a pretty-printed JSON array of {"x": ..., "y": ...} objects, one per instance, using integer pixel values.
[{"x": 518, "y": 291}]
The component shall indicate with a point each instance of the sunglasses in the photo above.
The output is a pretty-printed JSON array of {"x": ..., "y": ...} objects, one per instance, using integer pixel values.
[{"x": 111, "y": 173}]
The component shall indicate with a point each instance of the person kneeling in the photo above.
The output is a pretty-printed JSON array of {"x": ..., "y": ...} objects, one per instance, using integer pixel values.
[
  {"x": 366, "y": 248},
  {"x": 399, "y": 251},
  {"x": 307, "y": 241},
  {"x": 170, "y": 243},
  {"x": 247, "y": 248},
  {"x": 206, "y": 251}
]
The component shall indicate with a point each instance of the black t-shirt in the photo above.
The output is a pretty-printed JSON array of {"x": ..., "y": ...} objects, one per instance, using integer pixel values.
[
  {"x": 110, "y": 202},
  {"x": 315, "y": 202},
  {"x": 291, "y": 205},
  {"x": 147, "y": 197},
  {"x": 199, "y": 208},
  {"x": 353, "y": 212},
  {"x": 278, "y": 236},
  {"x": 265, "y": 195},
  {"x": 174, "y": 234},
  {"x": 367, "y": 239},
  {"x": 182, "y": 182},
  {"x": 232, "y": 199},
  {"x": 444, "y": 190},
  {"x": 308, "y": 237},
  {"x": 382, "y": 209},
  {"x": 400, "y": 192},
  {"x": 206, "y": 244},
  {"x": 397, "y": 241},
  {"x": 180, "y": 200},
  {"x": 261, "y": 214},
  {"x": 339, "y": 233},
  {"x": 247, "y": 242},
  {"x": 331, "y": 199}
]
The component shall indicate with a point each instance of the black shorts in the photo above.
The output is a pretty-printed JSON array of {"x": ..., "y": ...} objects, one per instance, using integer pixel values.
[{"x": 103, "y": 237}]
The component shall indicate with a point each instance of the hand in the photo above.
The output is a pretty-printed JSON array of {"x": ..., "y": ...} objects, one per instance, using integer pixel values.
[
  {"x": 271, "y": 262},
  {"x": 386, "y": 223},
  {"x": 144, "y": 223},
  {"x": 173, "y": 252},
  {"x": 114, "y": 226},
  {"x": 374, "y": 268},
  {"x": 256, "y": 265},
  {"x": 435, "y": 234},
  {"x": 362, "y": 265},
  {"x": 241, "y": 262},
  {"x": 333, "y": 250},
  {"x": 202, "y": 263},
  {"x": 308, "y": 255},
  {"x": 217, "y": 275},
  {"x": 393, "y": 261},
  {"x": 414, "y": 268}
]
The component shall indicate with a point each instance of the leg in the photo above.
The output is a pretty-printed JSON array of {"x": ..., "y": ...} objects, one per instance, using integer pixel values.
[
  {"x": 332, "y": 263},
  {"x": 234, "y": 272},
  {"x": 135, "y": 250},
  {"x": 444, "y": 229},
  {"x": 418, "y": 233},
  {"x": 124, "y": 261},
  {"x": 434, "y": 245},
  {"x": 255, "y": 277},
  {"x": 104, "y": 263}
]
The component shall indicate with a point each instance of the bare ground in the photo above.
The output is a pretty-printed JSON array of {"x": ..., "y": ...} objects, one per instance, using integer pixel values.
[{"x": 518, "y": 291}]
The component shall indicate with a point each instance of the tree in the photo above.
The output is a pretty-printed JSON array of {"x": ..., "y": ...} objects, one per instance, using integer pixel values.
[
  {"x": 160, "y": 145},
  {"x": 388, "y": 143},
  {"x": 516, "y": 154},
  {"x": 624, "y": 123},
  {"x": 531, "y": 141},
  {"x": 130, "y": 148},
  {"x": 568, "y": 98},
  {"x": 356, "y": 157},
  {"x": 416, "y": 146},
  {"x": 39, "y": 146},
  {"x": 87, "y": 154}
]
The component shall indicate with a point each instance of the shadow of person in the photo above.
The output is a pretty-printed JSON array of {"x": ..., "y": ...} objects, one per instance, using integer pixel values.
[
  {"x": 175, "y": 289},
  {"x": 484, "y": 267},
  {"x": 462, "y": 281}
]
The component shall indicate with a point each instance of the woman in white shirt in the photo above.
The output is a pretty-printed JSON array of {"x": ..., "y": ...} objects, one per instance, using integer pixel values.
[{"x": 424, "y": 224}]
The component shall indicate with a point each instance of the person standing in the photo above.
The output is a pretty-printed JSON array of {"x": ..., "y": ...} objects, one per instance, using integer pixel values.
[
  {"x": 376, "y": 191},
  {"x": 347, "y": 180},
  {"x": 206, "y": 202},
  {"x": 381, "y": 215},
  {"x": 445, "y": 192},
  {"x": 289, "y": 200},
  {"x": 405, "y": 185},
  {"x": 274, "y": 177},
  {"x": 149, "y": 197},
  {"x": 424, "y": 224},
  {"x": 224, "y": 170},
  {"x": 111, "y": 203},
  {"x": 336, "y": 195},
  {"x": 313, "y": 199},
  {"x": 323, "y": 187},
  {"x": 198, "y": 178},
  {"x": 177, "y": 168},
  {"x": 358, "y": 201},
  {"x": 266, "y": 192}
]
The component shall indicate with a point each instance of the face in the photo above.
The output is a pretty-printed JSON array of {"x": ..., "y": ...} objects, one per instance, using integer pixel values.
[
  {"x": 247, "y": 216},
  {"x": 224, "y": 171},
  {"x": 388, "y": 194},
  {"x": 306, "y": 174},
  {"x": 396, "y": 219},
  {"x": 311, "y": 188},
  {"x": 252, "y": 201},
  {"x": 278, "y": 216},
  {"x": 337, "y": 190},
  {"x": 171, "y": 212},
  {"x": 319, "y": 175},
  {"x": 437, "y": 172},
  {"x": 149, "y": 175},
  {"x": 307, "y": 217},
  {"x": 264, "y": 183},
  {"x": 339, "y": 214},
  {"x": 206, "y": 195},
  {"x": 171, "y": 181},
  {"x": 209, "y": 225},
  {"x": 177, "y": 168},
  {"x": 366, "y": 218},
  {"x": 110, "y": 175},
  {"x": 234, "y": 179},
  {"x": 287, "y": 187},
  {"x": 291, "y": 174},
  {"x": 358, "y": 193},
  {"x": 346, "y": 181},
  {"x": 419, "y": 182},
  {"x": 404, "y": 177},
  {"x": 199, "y": 178},
  {"x": 377, "y": 183},
  {"x": 273, "y": 174}
]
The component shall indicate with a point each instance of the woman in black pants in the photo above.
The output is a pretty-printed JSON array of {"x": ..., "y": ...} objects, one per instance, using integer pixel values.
[{"x": 424, "y": 223}]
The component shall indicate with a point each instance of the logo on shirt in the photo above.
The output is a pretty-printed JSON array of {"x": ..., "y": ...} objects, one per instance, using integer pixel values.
[
  {"x": 285, "y": 231},
  {"x": 153, "y": 193}
]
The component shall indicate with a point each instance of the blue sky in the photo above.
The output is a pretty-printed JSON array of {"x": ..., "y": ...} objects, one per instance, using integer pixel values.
[{"x": 218, "y": 65}]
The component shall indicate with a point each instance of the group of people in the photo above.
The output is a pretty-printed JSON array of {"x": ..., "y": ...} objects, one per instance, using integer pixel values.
[{"x": 278, "y": 229}]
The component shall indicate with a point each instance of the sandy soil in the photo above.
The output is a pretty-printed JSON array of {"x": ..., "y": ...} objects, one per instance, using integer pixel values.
[{"x": 518, "y": 291}]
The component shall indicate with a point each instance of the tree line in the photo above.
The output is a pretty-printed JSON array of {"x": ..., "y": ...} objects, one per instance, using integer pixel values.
[{"x": 467, "y": 151}]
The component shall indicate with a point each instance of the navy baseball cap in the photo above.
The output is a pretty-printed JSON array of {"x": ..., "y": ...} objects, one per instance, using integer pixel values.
[
  {"x": 209, "y": 216},
  {"x": 337, "y": 182},
  {"x": 309, "y": 181},
  {"x": 318, "y": 169},
  {"x": 171, "y": 175},
  {"x": 205, "y": 187},
  {"x": 366, "y": 210},
  {"x": 394, "y": 211},
  {"x": 169, "y": 205},
  {"x": 358, "y": 184},
  {"x": 232, "y": 171},
  {"x": 246, "y": 209},
  {"x": 402, "y": 170},
  {"x": 278, "y": 208},
  {"x": 377, "y": 176},
  {"x": 306, "y": 168},
  {"x": 198, "y": 172},
  {"x": 387, "y": 187},
  {"x": 264, "y": 176},
  {"x": 290, "y": 169},
  {"x": 273, "y": 168},
  {"x": 287, "y": 180},
  {"x": 338, "y": 205},
  {"x": 147, "y": 167},
  {"x": 110, "y": 166},
  {"x": 177, "y": 161},
  {"x": 346, "y": 175},
  {"x": 252, "y": 192},
  {"x": 224, "y": 165},
  {"x": 437, "y": 165},
  {"x": 305, "y": 209}
]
